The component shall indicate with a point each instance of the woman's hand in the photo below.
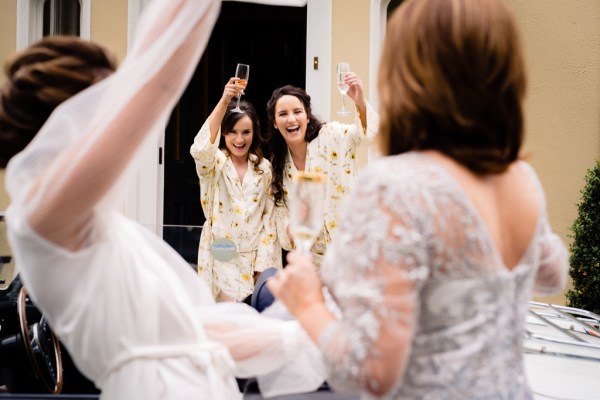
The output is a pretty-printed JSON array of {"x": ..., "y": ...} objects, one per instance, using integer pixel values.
[
  {"x": 297, "y": 286},
  {"x": 355, "y": 90},
  {"x": 231, "y": 90}
]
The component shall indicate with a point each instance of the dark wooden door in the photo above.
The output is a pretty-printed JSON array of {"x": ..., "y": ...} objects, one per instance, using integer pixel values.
[{"x": 272, "y": 40}]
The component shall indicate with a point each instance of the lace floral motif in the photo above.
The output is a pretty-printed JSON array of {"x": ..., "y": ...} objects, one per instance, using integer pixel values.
[{"x": 414, "y": 266}]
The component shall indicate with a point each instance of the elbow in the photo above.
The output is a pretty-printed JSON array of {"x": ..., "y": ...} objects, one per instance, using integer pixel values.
[
  {"x": 381, "y": 379},
  {"x": 195, "y": 151},
  {"x": 550, "y": 282},
  {"x": 380, "y": 386}
]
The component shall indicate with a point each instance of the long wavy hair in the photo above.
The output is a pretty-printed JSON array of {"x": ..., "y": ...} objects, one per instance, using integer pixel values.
[
  {"x": 39, "y": 79},
  {"x": 277, "y": 145},
  {"x": 452, "y": 79},
  {"x": 229, "y": 121}
]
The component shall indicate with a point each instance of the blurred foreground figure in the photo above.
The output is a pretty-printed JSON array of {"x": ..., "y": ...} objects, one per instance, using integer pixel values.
[
  {"x": 443, "y": 241},
  {"x": 134, "y": 316}
]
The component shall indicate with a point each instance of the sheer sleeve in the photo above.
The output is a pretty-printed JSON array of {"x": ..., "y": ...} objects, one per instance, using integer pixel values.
[
  {"x": 374, "y": 272},
  {"x": 62, "y": 179},
  {"x": 552, "y": 272},
  {"x": 276, "y": 350},
  {"x": 553, "y": 256}
]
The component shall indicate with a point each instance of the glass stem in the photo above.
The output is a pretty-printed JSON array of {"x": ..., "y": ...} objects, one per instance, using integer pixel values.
[
  {"x": 344, "y": 102},
  {"x": 238, "y": 100},
  {"x": 303, "y": 246}
]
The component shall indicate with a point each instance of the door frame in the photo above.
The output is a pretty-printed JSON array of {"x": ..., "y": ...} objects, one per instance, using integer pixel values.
[
  {"x": 145, "y": 203},
  {"x": 30, "y": 16}
]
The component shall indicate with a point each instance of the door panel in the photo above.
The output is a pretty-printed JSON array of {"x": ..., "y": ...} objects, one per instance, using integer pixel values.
[{"x": 272, "y": 40}]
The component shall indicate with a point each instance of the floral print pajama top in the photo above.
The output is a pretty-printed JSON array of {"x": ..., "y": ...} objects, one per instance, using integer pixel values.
[{"x": 239, "y": 211}]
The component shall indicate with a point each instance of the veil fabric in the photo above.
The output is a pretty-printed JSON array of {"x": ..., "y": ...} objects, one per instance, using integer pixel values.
[{"x": 67, "y": 233}]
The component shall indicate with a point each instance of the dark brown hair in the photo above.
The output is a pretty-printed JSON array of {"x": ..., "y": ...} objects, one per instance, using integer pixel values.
[
  {"x": 39, "y": 79},
  {"x": 229, "y": 121},
  {"x": 277, "y": 145},
  {"x": 452, "y": 79}
]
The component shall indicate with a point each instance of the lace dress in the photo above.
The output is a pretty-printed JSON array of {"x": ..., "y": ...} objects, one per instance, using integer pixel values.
[{"x": 414, "y": 265}]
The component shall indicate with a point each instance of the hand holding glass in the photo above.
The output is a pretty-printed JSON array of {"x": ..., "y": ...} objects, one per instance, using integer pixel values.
[
  {"x": 242, "y": 72},
  {"x": 342, "y": 69},
  {"x": 307, "y": 206}
]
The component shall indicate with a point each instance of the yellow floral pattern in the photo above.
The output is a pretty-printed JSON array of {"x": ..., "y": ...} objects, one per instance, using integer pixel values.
[
  {"x": 333, "y": 153},
  {"x": 241, "y": 211}
]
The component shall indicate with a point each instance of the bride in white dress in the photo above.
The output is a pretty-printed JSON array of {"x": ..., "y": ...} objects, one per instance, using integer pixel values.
[
  {"x": 132, "y": 313},
  {"x": 442, "y": 242}
]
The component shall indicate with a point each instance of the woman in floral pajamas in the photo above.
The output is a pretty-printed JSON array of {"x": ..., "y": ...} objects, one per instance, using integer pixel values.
[
  {"x": 301, "y": 142},
  {"x": 238, "y": 240}
]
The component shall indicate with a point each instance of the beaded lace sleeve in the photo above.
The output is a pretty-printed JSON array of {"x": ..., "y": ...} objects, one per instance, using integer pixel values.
[{"x": 374, "y": 271}]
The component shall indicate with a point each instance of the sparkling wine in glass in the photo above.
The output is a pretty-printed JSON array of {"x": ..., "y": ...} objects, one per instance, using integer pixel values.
[
  {"x": 307, "y": 206},
  {"x": 342, "y": 69},
  {"x": 242, "y": 72}
]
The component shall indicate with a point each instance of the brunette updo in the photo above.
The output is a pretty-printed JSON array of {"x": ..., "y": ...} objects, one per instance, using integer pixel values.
[{"x": 39, "y": 79}]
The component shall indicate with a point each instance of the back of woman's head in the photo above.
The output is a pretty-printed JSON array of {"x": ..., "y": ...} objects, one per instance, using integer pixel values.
[
  {"x": 452, "y": 79},
  {"x": 39, "y": 79},
  {"x": 231, "y": 118}
]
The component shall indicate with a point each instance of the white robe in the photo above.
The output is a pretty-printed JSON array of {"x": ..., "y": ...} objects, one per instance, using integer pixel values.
[{"x": 134, "y": 316}]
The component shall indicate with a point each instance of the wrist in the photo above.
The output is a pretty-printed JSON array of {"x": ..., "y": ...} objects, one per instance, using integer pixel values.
[
  {"x": 314, "y": 318},
  {"x": 361, "y": 103}
]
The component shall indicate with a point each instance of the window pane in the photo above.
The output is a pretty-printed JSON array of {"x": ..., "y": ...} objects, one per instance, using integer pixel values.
[{"x": 61, "y": 17}]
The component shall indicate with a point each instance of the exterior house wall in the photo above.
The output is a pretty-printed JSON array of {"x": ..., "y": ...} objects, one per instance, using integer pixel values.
[{"x": 562, "y": 110}]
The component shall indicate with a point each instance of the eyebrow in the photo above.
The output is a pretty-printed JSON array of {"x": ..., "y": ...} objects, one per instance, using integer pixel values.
[{"x": 294, "y": 109}]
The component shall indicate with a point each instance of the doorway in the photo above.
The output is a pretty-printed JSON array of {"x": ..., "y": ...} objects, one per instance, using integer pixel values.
[{"x": 272, "y": 40}]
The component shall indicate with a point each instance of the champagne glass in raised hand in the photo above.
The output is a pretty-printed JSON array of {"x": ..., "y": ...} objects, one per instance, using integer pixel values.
[
  {"x": 342, "y": 69},
  {"x": 242, "y": 72},
  {"x": 307, "y": 203}
]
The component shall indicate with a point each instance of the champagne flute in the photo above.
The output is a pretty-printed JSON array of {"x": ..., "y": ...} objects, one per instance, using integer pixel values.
[
  {"x": 342, "y": 69},
  {"x": 242, "y": 72},
  {"x": 307, "y": 206}
]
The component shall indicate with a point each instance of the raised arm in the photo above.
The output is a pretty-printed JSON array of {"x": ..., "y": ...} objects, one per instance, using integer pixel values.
[
  {"x": 123, "y": 111},
  {"x": 205, "y": 145},
  {"x": 231, "y": 90},
  {"x": 366, "y": 125},
  {"x": 551, "y": 275},
  {"x": 356, "y": 93}
]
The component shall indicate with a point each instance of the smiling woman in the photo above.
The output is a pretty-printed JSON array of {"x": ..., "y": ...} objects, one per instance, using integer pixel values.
[
  {"x": 234, "y": 186},
  {"x": 299, "y": 141}
]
